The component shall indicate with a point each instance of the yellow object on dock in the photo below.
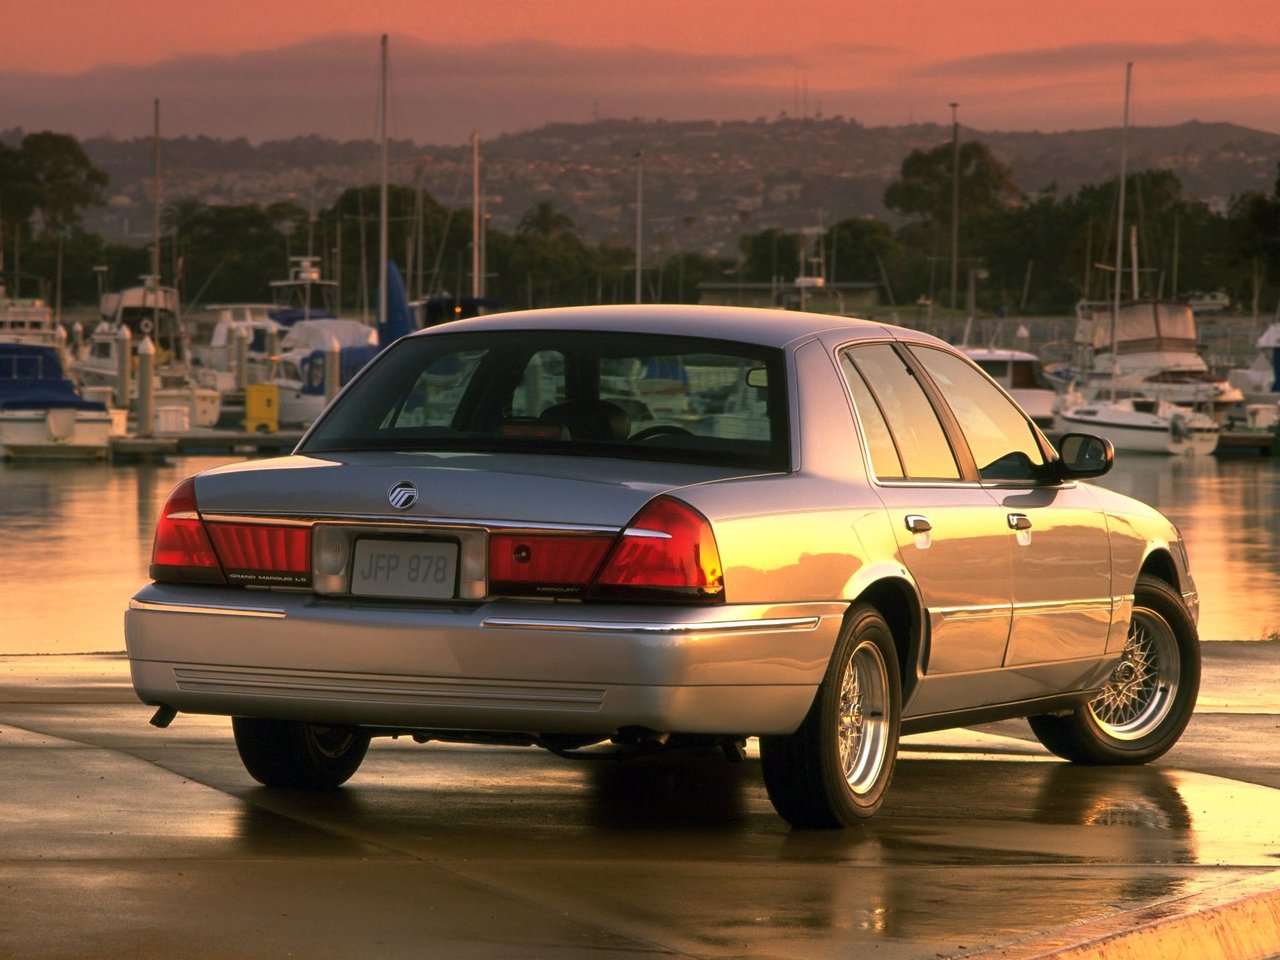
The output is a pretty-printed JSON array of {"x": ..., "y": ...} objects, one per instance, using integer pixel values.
[{"x": 262, "y": 408}]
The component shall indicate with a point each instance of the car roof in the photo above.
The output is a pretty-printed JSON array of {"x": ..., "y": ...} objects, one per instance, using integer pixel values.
[{"x": 770, "y": 328}]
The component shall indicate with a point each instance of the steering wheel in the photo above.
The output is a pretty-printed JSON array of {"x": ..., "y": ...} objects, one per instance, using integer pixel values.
[{"x": 660, "y": 430}]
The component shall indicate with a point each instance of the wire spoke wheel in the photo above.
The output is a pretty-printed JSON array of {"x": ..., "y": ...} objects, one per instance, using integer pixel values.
[
  {"x": 863, "y": 718},
  {"x": 835, "y": 769},
  {"x": 1144, "y": 684},
  {"x": 1147, "y": 701}
]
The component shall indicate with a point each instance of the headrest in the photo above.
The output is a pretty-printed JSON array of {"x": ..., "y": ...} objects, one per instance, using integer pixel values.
[{"x": 590, "y": 419}]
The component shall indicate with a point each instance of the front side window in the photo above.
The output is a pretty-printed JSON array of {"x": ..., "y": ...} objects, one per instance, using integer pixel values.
[
  {"x": 585, "y": 393},
  {"x": 999, "y": 436}
]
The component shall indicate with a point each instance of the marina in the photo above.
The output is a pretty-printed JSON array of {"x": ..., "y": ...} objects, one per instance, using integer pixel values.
[{"x": 316, "y": 594}]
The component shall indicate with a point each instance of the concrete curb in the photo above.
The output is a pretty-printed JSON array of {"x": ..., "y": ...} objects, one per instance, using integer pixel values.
[{"x": 1238, "y": 921}]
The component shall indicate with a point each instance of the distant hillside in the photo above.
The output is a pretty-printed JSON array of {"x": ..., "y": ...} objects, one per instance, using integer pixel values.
[{"x": 705, "y": 183}]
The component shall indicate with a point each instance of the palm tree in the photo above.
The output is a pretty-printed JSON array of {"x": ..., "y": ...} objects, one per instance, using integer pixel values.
[{"x": 546, "y": 222}]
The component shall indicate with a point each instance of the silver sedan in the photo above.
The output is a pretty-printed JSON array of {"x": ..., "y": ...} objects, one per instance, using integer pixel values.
[{"x": 623, "y": 529}]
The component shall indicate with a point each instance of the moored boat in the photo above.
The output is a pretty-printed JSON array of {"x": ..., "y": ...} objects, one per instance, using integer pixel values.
[
  {"x": 300, "y": 371},
  {"x": 41, "y": 413},
  {"x": 215, "y": 350},
  {"x": 149, "y": 310},
  {"x": 300, "y": 374},
  {"x": 31, "y": 320},
  {"x": 1143, "y": 425},
  {"x": 1260, "y": 381},
  {"x": 1147, "y": 346},
  {"x": 303, "y": 297}
]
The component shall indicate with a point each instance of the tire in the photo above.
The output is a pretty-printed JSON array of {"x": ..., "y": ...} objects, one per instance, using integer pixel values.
[
  {"x": 835, "y": 769},
  {"x": 1147, "y": 702},
  {"x": 299, "y": 756}
]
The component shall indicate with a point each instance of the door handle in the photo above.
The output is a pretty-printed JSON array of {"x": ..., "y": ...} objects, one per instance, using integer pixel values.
[
  {"x": 1019, "y": 521},
  {"x": 918, "y": 524}
]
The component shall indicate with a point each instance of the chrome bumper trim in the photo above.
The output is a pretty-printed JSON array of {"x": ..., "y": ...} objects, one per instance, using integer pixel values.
[
  {"x": 597, "y": 626},
  {"x": 264, "y": 613},
  {"x": 419, "y": 692}
]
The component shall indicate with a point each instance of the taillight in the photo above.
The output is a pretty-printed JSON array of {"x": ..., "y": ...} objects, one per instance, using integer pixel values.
[
  {"x": 543, "y": 564},
  {"x": 182, "y": 552},
  {"x": 191, "y": 550},
  {"x": 668, "y": 552},
  {"x": 263, "y": 555}
]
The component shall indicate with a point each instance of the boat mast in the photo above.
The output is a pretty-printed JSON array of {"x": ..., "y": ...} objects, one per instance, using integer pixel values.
[
  {"x": 382, "y": 199},
  {"x": 1119, "y": 277},
  {"x": 477, "y": 222},
  {"x": 155, "y": 250}
]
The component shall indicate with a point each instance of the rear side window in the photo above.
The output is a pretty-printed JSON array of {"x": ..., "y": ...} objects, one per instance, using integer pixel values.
[
  {"x": 904, "y": 436},
  {"x": 584, "y": 393}
]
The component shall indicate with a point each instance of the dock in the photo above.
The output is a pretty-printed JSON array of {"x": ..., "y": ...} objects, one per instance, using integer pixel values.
[
  {"x": 128, "y": 448},
  {"x": 1258, "y": 443}
]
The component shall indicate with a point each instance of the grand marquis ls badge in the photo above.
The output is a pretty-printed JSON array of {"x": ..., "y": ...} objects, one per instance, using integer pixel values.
[{"x": 403, "y": 495}]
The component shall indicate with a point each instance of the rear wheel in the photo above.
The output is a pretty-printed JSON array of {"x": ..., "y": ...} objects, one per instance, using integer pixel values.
[
  {"x": 834, "y": 771},
  {"x": 1147, "y": 702},
  {"x": 308, "y": 756}
]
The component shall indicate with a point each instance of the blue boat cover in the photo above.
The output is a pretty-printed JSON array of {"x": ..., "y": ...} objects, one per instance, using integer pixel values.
[{"x": 31, "y": 378}]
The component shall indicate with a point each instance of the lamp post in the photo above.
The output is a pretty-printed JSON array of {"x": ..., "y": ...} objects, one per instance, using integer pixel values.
[
  {"x": 477, "y": 222},
  {"x": 639, "y": 221},
  {"x": 955, "y": 205}
]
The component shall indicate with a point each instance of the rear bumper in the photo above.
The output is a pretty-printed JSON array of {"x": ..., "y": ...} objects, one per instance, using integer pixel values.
[{"x": 512, "y": 667}]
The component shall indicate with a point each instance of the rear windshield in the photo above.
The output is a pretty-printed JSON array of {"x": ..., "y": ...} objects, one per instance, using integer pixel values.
[{"x": 594, "y": 394}]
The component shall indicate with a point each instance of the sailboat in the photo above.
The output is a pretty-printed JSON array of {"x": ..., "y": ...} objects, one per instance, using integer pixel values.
[
  {"x": 1127, "y": 406},
  {"x": 149, "y": 310},
  {"x": 1149, "y": 346}
]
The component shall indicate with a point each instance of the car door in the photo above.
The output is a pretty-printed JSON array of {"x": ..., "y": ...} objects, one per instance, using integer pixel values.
[
  {"x": 952, "y": 536},
  {"x": 1061, "y": 559}
]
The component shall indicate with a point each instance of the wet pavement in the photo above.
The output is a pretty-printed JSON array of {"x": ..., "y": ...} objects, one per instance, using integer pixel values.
[{"x": 121, "y": 840}]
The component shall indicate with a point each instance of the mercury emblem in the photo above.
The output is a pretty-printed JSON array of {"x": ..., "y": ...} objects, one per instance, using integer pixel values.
[{"x": 403, "y": 495}]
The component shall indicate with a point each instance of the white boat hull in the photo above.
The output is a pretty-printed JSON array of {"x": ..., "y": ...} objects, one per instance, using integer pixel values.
[
  {"x": 298, "y": 409},
  {"x": 54, "y": 433},
  {"x": 1164, "y": 430}
]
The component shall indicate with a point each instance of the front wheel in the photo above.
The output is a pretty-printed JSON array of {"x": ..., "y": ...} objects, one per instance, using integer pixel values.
[
  {"x": 1148, "y": 700},
  {"x": 834, "y": 770},
  {"x": 306, "y": 756}
]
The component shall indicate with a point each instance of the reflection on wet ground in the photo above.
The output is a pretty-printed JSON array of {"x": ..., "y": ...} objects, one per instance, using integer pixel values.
[{"x": 504, "y": 852}]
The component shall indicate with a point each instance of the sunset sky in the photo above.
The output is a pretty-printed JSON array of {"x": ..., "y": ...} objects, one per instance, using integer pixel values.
[{"x": 1010, "y": 64}]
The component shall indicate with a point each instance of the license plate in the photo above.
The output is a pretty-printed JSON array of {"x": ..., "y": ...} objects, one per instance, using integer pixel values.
[{"x": 412, "y": 569}]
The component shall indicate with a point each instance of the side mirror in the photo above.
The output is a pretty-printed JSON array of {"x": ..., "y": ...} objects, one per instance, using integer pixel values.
[{"x": 1082, "y": 455}]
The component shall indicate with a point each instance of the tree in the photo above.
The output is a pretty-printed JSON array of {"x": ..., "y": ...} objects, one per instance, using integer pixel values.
[
  {"x": 227, "y": 253},
  {"x": 545, "y": 221},
  {"x": 770, "y": 255},
  {"x": 685, "y": 272},
  {"x": 62, "y": 180},
  {"x": 547, "y": 262},
  {"x": 858, "y": 250},
  {"x": 18, "y": 195},
  {"x": 1254, "y": 238},
  {"x": 923, "y": 189}
]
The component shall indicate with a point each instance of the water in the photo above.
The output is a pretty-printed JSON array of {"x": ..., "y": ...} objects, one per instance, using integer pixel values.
[
  {"x": 1226, "y": 510},
  {"x": 77, "y": 541}
]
